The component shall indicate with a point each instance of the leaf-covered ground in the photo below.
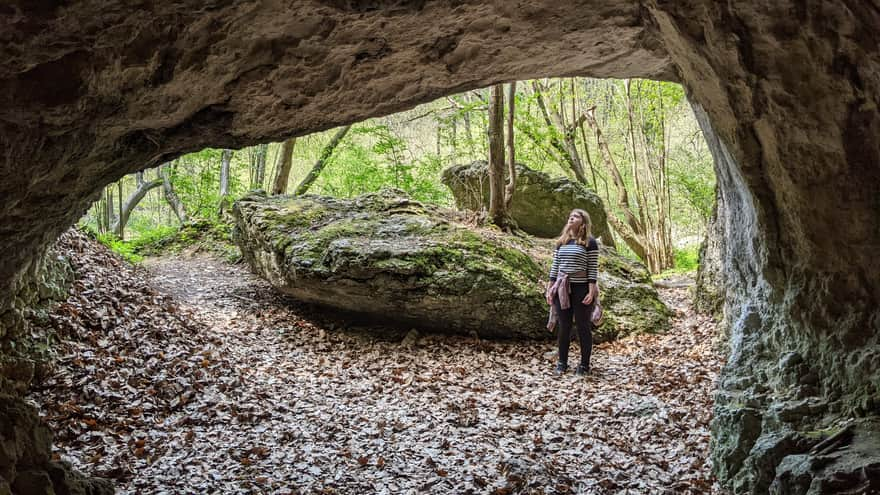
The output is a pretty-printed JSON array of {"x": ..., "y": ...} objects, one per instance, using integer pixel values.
[{"x": 192, "y": 376}]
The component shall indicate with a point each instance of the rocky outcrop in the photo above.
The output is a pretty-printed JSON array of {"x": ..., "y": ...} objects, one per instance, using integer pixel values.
[
  {"x": 709, "y": 289},
  {"x": 26, "y": 467},
  {"x": 46, "y": 279},
  {"x": 92, "y": 91},
  {"x": 800, "y": 366},
  {"x": 396, "y": 260},
  {"x": 540, "y": 205}
]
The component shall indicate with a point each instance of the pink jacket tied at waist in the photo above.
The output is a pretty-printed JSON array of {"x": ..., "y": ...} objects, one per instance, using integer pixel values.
[{"x": 562, "y": 288}]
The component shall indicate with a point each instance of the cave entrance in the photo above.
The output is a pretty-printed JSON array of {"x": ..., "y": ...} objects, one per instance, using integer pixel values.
[
  {"x": 90, "y": 95},
  {"x": 321, "y": 398}
]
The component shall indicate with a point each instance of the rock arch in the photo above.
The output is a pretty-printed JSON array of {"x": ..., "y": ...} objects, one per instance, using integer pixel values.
[{"x": 93, "y": 90}]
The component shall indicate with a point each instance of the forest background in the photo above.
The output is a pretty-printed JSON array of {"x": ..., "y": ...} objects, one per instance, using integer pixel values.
[{"x": 634, "y": 142}]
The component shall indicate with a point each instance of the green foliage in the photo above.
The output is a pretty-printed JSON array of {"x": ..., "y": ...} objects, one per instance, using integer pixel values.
[
  {"x": 212, "y": 236},
  {"x": 693, "y": 178},
  {"x": 122, "y": 248},
  {"x": 150, "y": 240},
  {"x": 687, "y": 260},
  {"x": 374, "y": 158}
]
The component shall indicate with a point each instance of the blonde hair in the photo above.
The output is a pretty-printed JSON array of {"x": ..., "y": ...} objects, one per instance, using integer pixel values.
[{"x": 583, "y": 233}]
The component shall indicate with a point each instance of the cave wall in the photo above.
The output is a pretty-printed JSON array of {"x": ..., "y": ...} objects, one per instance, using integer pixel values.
[
  {"x": 791, "y": 94},
  {"x": 97, "y": 89}
]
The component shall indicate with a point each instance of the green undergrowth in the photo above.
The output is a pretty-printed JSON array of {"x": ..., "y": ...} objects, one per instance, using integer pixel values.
[
  {"x": 120, "y": 247},
  {"x": 687, "y": 261},
  {"x": 200, "y": 236}
]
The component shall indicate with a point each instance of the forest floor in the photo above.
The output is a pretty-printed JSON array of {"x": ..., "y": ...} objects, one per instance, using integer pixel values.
[{"x": 193, "y": 376}]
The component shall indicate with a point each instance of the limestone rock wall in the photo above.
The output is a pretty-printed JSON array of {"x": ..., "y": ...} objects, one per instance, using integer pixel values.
[
  {"x": 709, "y": 290},
  {"x": 90, "y": 91},
  {"x": 792, "y": 95}
]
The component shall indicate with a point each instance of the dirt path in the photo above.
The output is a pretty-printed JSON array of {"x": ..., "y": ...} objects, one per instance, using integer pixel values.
[{"x": 279, "y": 402}]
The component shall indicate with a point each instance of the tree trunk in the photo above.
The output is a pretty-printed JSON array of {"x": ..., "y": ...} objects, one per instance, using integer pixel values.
[
  {"x": 511, "y": 149},
  {"x": 108, "y": 206},
  {"x": 282, "y": 167},
  {"x": 119, "y": 208},
  {"x": 466, "y": 116},
  {"x": 497, "y": 210},
  {"x": 566, "y": 148},
  {"x": 640, "y": 195},
  {"x": 259, "y": 175},
  {"x": 171, "y": 197},
  {"x": 319, "y": 165},
  {"x": 633, "y": 234},
  {"x": 635, "y": 243},
  {"x": 139, "y": 193},
  {"x": 225, "y": 160},
  {"x": 99, "y": 212}
]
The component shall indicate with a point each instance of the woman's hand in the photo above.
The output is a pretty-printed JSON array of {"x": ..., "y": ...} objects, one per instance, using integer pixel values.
[
  {"x": 592, "y": 293},
  {"x": 548, "y": 294}
]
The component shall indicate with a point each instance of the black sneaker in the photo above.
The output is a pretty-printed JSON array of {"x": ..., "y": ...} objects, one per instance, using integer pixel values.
[
  {"x": 581, "y": 371},
  {"x": 561, "y": 368}
]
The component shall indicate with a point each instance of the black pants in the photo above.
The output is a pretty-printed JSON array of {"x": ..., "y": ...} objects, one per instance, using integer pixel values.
[{"x": 581, "y": 314}]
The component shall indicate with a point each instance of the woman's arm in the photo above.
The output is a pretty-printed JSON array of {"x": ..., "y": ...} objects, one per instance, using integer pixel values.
[
  {"x": 554, "y": 272},
  {"x": 592, "y": 271},
  {"x": 554, "y": 268}
]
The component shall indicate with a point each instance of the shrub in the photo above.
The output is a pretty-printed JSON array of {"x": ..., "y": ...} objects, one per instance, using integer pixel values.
[{"x": 122, "y": 248}]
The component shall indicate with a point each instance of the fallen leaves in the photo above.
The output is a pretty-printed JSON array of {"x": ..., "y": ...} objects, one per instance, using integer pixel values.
[{"x": 198, "y": 377}]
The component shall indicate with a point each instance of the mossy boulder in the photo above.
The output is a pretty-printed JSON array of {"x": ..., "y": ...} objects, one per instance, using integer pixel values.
[
  {"x": 540, "y": 205},
  {"x": 389, "y": 258}
]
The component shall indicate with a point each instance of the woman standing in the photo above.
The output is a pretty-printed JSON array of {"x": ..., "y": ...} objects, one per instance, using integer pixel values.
[{"x": 572, "y": 288}]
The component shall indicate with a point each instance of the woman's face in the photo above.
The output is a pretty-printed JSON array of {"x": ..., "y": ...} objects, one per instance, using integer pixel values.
[{"x": 574, "y": 222}]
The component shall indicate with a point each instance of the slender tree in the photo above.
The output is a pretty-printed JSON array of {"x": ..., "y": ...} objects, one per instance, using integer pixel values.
[
  {"x": 282, "y": 167},
  {"x": 225, "y": 161},
  {"x": 632, "y": 231},
  {"x": 323, "y": 158},
  {"x": 497, "y": 211},
  {"x": 556, "y": 120},
  {"x": 118, "y": 232},
  {"x": 258, "y": 165},
  {"x": 142, "y": 187},
  {"x": 108, "y": 207},
  {"x": 511, "y": 149},
  {"x": 167, "y": 171}
]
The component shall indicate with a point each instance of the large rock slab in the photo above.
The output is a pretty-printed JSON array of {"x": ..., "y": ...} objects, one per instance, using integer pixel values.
[
  {"x": 541, "y": 203},
  {"x": 396, "y": 260}
]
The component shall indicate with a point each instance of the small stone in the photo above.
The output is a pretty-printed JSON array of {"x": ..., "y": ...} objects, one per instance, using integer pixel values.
[
  {"x": 789, "y": 361},
  {"x": 411, "y": 338}
]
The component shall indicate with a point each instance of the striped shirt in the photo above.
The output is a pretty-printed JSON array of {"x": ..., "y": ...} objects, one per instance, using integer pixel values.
[{"x": 572, "y": 257}]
